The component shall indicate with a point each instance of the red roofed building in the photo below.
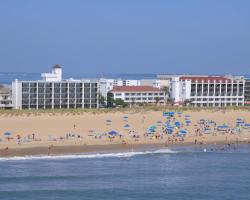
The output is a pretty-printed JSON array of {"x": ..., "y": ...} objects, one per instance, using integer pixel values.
[{"x": 138, "y": 94}]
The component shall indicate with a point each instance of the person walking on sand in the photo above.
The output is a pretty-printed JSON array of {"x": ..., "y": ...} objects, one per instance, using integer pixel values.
[{"x": 49, "y": 149}]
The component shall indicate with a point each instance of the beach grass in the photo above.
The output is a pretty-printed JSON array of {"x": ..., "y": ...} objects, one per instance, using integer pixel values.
[{"x": 134, "y": 109}]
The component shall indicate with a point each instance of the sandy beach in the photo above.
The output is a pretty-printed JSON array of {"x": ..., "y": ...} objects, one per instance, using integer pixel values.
[{"x": 64, "y": 133}]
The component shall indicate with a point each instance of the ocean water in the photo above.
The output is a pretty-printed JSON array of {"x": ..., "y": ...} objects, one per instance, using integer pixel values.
[
  {"x": 7, "y": 78},
  {"x": 179, "y": 173}
]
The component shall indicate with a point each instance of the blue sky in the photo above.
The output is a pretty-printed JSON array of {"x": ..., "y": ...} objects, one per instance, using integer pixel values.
[{"x": 129, "y": 36}]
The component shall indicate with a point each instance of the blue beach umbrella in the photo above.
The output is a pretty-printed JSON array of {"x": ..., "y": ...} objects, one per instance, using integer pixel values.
[
  {"x": 170, "y": 130},
  {"x": 153, "y": 127},
  {"x": 166, "y": 124},
  {"x": 177, "y": 124},
  {"x": 165, "y": 114},
  {"x": 222, "y": 127},
  {"x": 171, "y": 113},
  {"x": 182, "y": 132},
  {"x": 126, "y": 126},
  {"x": 7, "y": 134},
  {"x": 113, "y": 133}
]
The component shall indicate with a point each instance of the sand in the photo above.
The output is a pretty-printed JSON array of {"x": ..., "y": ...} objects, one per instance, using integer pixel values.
[{"x": 50, "y": 131}]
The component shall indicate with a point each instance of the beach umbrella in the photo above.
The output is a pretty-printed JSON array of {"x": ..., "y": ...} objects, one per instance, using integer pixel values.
[
  {"x": 7, "y": 134},
  {"x": 153, "y": 127},
  {"x": 177, "y": 124},
  {"x": 247, "y": 125},
  {"x": 182, "y": 133},
  {"x": 150, "y": 131},
  {"x": 166, "y": 124},
  {"x": 222, "y": 127},
  {"x": 165, "y": 114},
  {"x": 207, "y": 131},
  {"x": 171, "y": 113},
  {"x": 126, "y": 126},
  {"x": 113, "y": 133}
]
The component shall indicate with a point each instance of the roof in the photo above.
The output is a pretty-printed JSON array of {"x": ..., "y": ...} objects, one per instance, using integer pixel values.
[
  {"x": 135, "y": 89},
  {"x": 57, "y": 66},
  {"x": 199, "y": 79}
]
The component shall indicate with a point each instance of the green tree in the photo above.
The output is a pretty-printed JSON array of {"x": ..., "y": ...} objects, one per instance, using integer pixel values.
[
  {"x": 157, "y": 99},
  {"x": 110, "y": 101},
  {"x": 120, "y": 102},
  {"x": 102, "y": 100}
]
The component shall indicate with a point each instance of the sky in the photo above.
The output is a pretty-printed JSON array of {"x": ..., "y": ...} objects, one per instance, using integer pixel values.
[{"x": 125, "y": 36}]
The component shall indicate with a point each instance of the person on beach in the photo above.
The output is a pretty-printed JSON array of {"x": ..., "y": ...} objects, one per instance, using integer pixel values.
[{"x": 49, "y": 149}]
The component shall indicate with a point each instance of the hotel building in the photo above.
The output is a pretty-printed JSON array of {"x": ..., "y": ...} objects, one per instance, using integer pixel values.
[
  {"x": 107, "y": 85},
  {"x": 247, "y": 91},
  {"x": 54, "y": 93},
  {"x": 208, "y": 91},
  {"x": 5, "y": 97},
  {"x": 137, "y": 94}
]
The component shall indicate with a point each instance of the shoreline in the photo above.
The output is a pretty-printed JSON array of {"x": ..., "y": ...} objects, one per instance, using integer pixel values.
[{"x": 89, "y": 149}]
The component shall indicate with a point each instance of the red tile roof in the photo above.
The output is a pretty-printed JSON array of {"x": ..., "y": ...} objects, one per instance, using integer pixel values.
[
  {"x": 199, "y": 79},
  {"x": 135, "y": 89}
]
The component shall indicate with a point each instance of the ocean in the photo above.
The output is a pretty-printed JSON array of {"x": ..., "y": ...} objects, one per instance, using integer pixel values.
[
  {"x": 7, "y": 78},
  {"x": 178, "y": 173}
]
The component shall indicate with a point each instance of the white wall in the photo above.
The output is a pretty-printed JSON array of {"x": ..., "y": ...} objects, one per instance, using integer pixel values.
[{"x": 55, "y": 75}]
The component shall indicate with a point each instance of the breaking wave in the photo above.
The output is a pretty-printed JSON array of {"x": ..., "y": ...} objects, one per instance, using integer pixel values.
[{"x": 82, "y": 156}]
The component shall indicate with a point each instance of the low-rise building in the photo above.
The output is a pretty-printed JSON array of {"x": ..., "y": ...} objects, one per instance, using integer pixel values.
[
  {"x": 5, "y": 97},
  {"x": 151, "y": 82},
  {"x": 138, "y": 94},
  {"x": 247, "y": 91}
]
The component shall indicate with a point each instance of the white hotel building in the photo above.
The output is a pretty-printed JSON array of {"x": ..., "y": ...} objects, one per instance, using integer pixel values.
[
  {"x": 54, "y": 93},
  {"x": 208, "y": 91},
  {"x": 137, "y": 94}
]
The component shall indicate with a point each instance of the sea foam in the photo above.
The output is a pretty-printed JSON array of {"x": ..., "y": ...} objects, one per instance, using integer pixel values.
[{"x": 82, "y": 156}]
